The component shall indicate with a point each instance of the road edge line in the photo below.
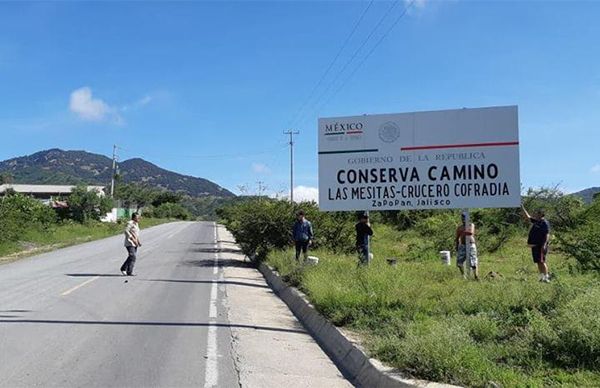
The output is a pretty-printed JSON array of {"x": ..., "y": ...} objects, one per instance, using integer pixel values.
[{"x": 211, "y": 370}]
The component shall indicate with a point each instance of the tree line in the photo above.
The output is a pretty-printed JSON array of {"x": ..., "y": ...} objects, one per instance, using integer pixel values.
[{"x": 261, "y": 225}]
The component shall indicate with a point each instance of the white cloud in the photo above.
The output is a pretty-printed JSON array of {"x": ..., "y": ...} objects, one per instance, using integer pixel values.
[
  {"x": 595, "y": 169},
  {"x": 144, "y": 101},
  {"x": 418, "y": 3},
  {"x": 260, "y": 168},
  {"x": 138, "y": 104},
  {"x": 306, "y": 193},
  {"x": 84, "y": 105}
]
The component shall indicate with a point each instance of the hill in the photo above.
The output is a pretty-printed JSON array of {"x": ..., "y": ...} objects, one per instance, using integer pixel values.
[
  {"x": 588, "y": 194},
  {"x": 56, "y": 166}
]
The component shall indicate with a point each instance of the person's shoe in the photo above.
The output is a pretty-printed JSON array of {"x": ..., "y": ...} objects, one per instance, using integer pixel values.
[
  {"x": 546, "y": 280},
  {"x": 124, "y": 272},
  {"x": 131, "y": 274}
]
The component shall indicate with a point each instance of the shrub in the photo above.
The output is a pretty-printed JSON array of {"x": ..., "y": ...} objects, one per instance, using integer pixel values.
[
  {"x": 439, "y": 229},
  {"x": 583, "y": 242},
  {"x": 168, "y": 210},
  {"x": 578, "y": 330},
  {"x": 18, "y": 213},
  {"x": 85, "y": 205},
  {"x": 260, "y": 225}
]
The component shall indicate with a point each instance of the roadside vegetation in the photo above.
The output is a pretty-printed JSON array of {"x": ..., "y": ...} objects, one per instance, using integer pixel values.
[
  {"x": 420, "y": 316},
  {"x": 28, "y": 226},
  {"x": 169, "y": 204}
]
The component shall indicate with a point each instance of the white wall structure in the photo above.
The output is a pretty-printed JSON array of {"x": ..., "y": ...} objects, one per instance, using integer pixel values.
[
  {"x": 46, "y": 193},
  {"x": 462, "y": 158}
]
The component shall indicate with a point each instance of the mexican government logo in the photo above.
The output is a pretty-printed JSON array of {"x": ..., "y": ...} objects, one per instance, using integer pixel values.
[{"x": 389, "y": 132}]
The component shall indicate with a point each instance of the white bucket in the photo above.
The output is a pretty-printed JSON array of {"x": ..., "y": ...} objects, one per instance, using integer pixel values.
[
  {"x": 445, "y": 256},
  {"x": 312, "y": 260}
]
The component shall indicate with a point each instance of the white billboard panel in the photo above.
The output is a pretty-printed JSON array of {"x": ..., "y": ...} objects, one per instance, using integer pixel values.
[{"x": 462, "y": 158}]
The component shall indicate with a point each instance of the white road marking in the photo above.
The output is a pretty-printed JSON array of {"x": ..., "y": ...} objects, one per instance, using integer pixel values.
[
  {"x": 79, "y": 286},
  {"x": 211, "y": 375}
]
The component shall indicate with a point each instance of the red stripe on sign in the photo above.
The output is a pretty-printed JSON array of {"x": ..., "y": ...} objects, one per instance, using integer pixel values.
[
  {"x": 435, "y": 147},
  {"x": 353, "y": 132}
]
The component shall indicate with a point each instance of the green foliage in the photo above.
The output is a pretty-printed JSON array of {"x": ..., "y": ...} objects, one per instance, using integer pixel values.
[
  {"x": 577, "y": 327},
  {"x": 582, "y": 242},
  {"x": 261, "y": 225},
  {"x": 204, "y": 208},
  {"x": 424, "y": 319},
  {"x": 440, "y": 229},
  {"x": 168, "y": 210},
  {"x": 135, "y": 194},
  {"x": 19, "y": 213},
  {"x": 63, "y": 234},
  {"x": 6, "y": 178},
  {"x": 561, "y": 210},
  {"x": 163, "y": 197},
  {"x": 87, "y": 205}
]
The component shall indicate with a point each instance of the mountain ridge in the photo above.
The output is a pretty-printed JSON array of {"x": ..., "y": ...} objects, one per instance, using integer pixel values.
[
  {"x": 587, "y": 194},
  {"x": 57, "y": 166}
]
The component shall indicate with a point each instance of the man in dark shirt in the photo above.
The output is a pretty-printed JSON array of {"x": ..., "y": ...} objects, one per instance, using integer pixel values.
[
  {"x": 303, "y": 234},
  {"x": 363, "y": 232},
  {"x": 538, "y": 239}
]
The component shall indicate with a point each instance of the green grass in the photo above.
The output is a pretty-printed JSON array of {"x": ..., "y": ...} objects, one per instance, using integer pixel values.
[
  {"x": 62, "y": 235},
  {"x": 423, "y": 318}
]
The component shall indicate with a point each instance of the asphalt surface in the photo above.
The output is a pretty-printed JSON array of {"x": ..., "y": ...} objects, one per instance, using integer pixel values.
[{"x": 69, "y": 318}]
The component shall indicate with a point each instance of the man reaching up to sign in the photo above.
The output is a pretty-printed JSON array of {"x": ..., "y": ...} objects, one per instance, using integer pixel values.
[
  {"x": 132, "y": 242},
  {"x": 465, "y": 240},
  {"x": 538, "y": 240}
]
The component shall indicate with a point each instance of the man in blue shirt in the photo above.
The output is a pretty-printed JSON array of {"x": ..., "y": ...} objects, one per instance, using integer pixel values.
[
  {"x": 302, "y": 234},
  {"x": 538, "y": 239}
]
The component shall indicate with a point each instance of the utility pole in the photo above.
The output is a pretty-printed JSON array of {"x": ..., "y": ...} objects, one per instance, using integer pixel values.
[
  {"x": 261, "y": 189},
  {"x": 114, "y": 172},
  {"x": 291, "y": 134}
]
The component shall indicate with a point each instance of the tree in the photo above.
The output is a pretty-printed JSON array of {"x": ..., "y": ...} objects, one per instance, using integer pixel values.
[
  {"x": 86, "y": 205},
  {"x": 166, "y": 197},
  {"x": 135, "y": 194},
  {"x": 6, "y": 178}
]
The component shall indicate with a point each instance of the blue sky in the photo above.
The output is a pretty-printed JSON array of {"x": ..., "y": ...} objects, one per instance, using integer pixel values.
[{"x": 207, "y": 88}]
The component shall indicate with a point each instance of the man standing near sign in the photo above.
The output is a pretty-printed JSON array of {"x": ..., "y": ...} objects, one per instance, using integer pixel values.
[
  {"x": 363, "y": 232},
  {"x": 538, "y": 240},
  {"x": 303, "y": 235},
  {"x": 465, "y": 241}
]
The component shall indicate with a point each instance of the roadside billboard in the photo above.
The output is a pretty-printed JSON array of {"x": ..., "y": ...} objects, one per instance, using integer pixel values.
[{"x": 461, "y": 158}]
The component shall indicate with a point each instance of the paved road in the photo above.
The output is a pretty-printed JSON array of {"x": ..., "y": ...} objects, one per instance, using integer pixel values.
[{"x": 68, "y": 318}]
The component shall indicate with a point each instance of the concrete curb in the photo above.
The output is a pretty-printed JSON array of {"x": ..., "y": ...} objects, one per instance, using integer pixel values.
[{"x": 361, "y": 370}]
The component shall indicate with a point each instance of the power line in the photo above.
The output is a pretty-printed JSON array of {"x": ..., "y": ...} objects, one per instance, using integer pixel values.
[
  {"x": 354, "y": 55},
  {"x": 387, "y": 32},
  {"x": 314, "y": 90}
]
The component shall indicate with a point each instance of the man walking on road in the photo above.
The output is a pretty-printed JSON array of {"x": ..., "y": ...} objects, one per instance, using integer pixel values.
[
  {"x": 363, "y": 232},
  {"x": 538, "y": 240},
  {"x": 302, "y": 234},
  {"x": 132, "y": 243}
]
